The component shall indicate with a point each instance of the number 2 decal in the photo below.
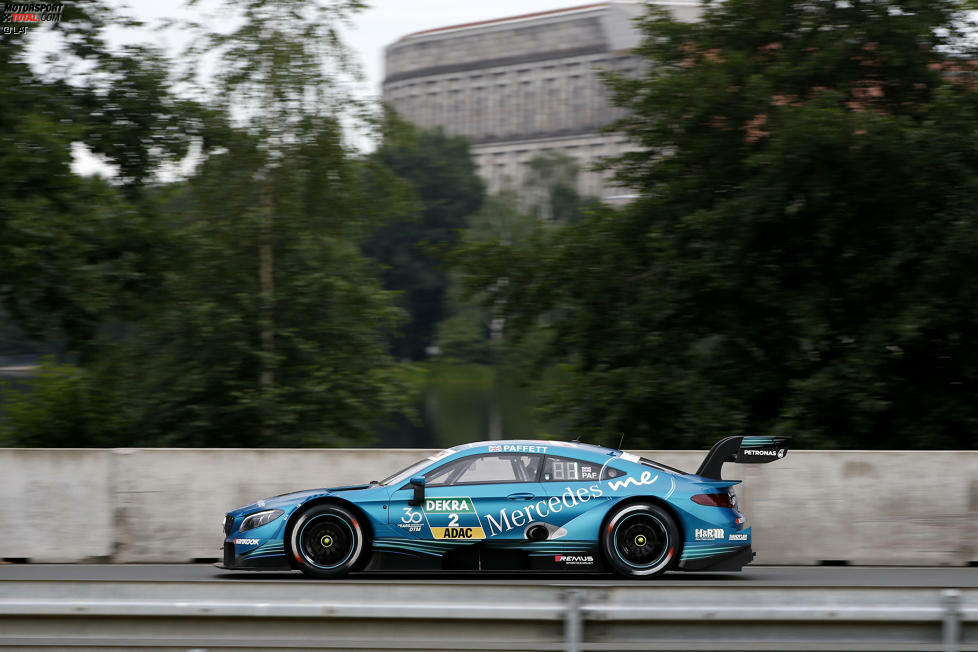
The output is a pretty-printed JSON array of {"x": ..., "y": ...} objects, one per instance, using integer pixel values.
[{"x": 453, "y": 520}]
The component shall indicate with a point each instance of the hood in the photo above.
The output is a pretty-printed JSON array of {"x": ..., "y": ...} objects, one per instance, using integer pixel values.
[{"x": 298, "y": 497}]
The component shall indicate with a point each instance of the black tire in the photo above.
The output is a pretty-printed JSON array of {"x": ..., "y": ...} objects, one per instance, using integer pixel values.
[
  {"x": 640, "y": 540},
  {"x": 328, "y": 541}
]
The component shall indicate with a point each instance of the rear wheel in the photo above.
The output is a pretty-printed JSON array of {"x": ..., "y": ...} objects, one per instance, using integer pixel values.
[
  {"x": 327, "y": 541},
  {"x": 640, "y": 540}
]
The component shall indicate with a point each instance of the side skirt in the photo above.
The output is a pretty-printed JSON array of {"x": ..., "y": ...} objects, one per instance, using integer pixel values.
[{"x": 497, "y": 556}]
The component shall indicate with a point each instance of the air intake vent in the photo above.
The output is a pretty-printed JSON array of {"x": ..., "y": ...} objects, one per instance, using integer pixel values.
[{"x": 537, "y": 532}]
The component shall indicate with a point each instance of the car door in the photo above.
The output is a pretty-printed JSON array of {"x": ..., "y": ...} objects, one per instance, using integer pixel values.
[
  {"x": 476, "y": 497},
  {"x": 571, "y": 489}
]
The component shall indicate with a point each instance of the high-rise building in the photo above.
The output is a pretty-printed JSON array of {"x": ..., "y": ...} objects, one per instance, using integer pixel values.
[{"x": 522, "y": 86}]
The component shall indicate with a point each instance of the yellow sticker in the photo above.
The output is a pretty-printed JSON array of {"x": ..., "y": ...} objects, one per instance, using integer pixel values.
[{"x": 458, "y": 533}]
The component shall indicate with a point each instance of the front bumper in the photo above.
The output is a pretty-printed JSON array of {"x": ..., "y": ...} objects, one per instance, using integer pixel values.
[
  {"x": 284, "y": 567},
  {"x": 266, "y": 557}
]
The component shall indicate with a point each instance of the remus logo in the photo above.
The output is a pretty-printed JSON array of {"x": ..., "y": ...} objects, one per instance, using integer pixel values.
[{"x": 585, "y": 560}]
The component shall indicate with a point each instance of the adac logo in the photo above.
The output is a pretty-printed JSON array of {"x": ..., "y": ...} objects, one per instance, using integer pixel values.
[{"x": 458, "y": 533}]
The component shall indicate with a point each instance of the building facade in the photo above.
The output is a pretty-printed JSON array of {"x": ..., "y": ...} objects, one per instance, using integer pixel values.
[{"x": 522, "y": 86}]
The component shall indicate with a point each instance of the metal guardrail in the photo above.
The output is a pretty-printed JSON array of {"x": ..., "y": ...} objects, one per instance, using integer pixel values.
[{"x": 350, "y": 615}]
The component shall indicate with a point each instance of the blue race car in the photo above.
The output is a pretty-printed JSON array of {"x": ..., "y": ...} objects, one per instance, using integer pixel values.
[{"x": 511, "y": 505}]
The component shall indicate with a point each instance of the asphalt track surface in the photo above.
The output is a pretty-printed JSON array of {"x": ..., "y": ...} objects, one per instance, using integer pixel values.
[{"x": 752, "y": 576}]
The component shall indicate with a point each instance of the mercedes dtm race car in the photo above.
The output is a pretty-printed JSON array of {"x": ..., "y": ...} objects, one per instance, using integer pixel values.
[{"x": 511, "y": 505}]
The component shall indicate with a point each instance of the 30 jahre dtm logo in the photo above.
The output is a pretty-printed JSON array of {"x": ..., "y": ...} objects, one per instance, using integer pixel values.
[{"x": 18, "y": 16}]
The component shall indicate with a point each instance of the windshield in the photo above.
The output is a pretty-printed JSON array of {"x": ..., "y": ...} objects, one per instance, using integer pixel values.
[{"x": 405, "y": 474}]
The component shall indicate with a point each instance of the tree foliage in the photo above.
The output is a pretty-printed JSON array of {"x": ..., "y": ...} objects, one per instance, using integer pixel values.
[
  {"x": 515, "y": 218},
  {"x": 446, "y": 189},
  {"x": 189, "y": 374},
  {"x": 802, "y": 258},
  {"x": 233, "y": 308},
  {"x": 60, "y": 407},
  {"x": 76, "y": 252},
  {"x": 550, "y": 188}
]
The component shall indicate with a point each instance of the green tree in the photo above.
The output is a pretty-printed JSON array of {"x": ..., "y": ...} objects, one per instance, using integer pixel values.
[
  {"x": 270, "y": 327},
  {"x": 59, "y": 406},
  {"x": 272, "y": 79},
  {"x": 76, "y": 253},
  {"x": 254, "y": 319},
  {"x": 442, "y": 175},
  {"x": 550, "y": 188},
  {"x": 802, "y": 258},
  {"x": 190, "y": 374},
  {"x": 78, "y": 256},
  {"x": 516, "y": 218}
]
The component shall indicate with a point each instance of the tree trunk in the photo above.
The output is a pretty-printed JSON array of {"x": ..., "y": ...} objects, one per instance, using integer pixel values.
[{"x": 266, "y": 281}]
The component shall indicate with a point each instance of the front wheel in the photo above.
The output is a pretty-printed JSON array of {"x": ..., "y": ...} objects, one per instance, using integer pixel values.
[
  {"x": 327, "y": 541},
  {"x": 640, "y": 540}
]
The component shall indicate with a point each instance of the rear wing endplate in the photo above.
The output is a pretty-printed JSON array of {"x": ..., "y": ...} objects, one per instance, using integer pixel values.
[{"x": 742, "y": 450}]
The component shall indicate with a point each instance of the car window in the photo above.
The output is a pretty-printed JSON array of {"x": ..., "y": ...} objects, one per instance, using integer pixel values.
[
  {"x": 496, "y": 467},
  {"x": 659, "y": 465},
  {"x": 410, "y": 471},
  {"x": 563, "y": 469},
  {"x": 405, "y": 473},
  {"x": 611, "y": 472}
]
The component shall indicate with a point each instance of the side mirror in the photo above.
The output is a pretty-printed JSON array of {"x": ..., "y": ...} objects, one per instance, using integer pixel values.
[{"x": 418, "y": 483}]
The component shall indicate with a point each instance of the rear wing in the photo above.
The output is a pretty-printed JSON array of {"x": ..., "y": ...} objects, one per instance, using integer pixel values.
[{"x": 742, "y": 450}]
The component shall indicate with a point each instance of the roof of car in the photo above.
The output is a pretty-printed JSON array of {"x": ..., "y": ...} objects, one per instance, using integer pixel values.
[{"x": 594, "y": 448}]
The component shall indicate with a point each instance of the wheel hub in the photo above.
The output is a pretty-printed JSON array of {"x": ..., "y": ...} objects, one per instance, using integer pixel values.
[
  {"x": 641, "y": 540},
  {"x": 326, "y": 541}
]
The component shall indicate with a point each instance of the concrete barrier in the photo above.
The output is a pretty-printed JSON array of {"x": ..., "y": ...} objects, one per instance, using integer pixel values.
[{"x": 166, "y": 505}]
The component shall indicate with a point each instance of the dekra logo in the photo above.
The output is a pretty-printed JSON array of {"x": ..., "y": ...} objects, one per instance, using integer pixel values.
[{"x": 448, "y": 505}]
